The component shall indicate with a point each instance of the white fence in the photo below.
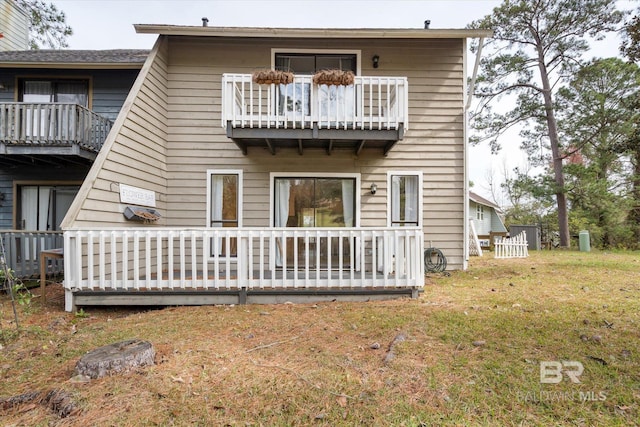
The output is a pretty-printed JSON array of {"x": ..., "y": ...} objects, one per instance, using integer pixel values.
[
  {"x": 370, "y": 103},
  {"x": 512, "y": 247},
  {"x": 185, "y": 259}
]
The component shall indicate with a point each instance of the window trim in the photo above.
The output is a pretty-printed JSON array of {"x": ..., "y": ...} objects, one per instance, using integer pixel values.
[
  {"x": 419, "y": 174},
  {"x": 210, "y": 173},
  {"x": 274, "y": 175}
]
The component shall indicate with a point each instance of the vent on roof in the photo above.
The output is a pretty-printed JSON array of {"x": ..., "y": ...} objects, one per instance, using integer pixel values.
[
  {"x": 426, "y": 24},
  {"x": 205, "y": 22}
]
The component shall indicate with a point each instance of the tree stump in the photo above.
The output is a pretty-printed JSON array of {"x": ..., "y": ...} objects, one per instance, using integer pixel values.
[{"x": 116, "y": 358}]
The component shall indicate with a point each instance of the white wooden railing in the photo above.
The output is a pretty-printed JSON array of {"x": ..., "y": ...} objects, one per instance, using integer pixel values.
[
  {"x": 184, "y": 259},
  {"x": 22, "y": 251},
  {"x": 512, "y": 247},
  {"x": 52, "y": 124},
  {"x": 370, "y": 103}
]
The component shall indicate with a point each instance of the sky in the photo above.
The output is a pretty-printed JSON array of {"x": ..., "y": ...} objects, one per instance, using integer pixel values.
[{"x": 108, "y": 24}]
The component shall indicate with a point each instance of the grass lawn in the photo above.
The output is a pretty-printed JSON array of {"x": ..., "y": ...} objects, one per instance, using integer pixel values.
[{"x": 472, "y": 353}]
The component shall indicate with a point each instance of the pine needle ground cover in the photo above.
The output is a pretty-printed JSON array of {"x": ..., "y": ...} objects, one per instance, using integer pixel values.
[{"x": 553, "y": 339}]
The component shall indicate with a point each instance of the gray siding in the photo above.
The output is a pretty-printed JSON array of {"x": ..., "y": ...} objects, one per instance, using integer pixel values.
[{"x": 195, "y": 141}]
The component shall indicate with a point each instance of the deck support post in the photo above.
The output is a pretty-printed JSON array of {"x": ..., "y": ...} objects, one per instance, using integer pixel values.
[{"x": 242, "y": 296}]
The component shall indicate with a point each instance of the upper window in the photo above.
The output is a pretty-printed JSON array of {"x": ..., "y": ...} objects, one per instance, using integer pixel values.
[
  {"x": 405, "y": 195},
  {"x": 73, "y": 91},
  {"x": 309, "y": 63},
  {"x": 479, "y": 212}
]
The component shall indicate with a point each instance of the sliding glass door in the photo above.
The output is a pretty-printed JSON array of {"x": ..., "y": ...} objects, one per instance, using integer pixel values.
[
  {"x": 334, "y": 102},
  {"x": 315, "y": 202}
]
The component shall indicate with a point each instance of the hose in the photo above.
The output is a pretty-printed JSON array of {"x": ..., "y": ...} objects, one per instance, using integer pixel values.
[{"x": 440, "y": 263}]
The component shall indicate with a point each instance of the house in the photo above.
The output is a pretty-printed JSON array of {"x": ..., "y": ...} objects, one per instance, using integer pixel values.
[
  {"x": 56, "y": 110},
  {"x": 254, "y": 165},
  {"x": 486, "y": 219}
]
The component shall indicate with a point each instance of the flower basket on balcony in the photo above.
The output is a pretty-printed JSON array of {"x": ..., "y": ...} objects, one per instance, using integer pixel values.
[
  {"x": 334, "y": 78},
  {"x": 267, "y": 77}
]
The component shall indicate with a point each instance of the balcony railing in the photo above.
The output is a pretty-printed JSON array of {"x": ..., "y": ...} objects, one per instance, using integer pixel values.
[
  {"x": 371, "y": 103},
  {"x": 22, "y": 251},
  {"x": 278, "y": 258},
  {"x": 52, "y": 124}
]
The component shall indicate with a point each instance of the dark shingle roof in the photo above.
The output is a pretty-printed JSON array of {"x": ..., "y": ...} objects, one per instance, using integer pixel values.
[{"x": 61, "y": 56}]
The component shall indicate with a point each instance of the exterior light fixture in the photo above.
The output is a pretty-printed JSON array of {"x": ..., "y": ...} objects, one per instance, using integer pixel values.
[
  {"x": 375, "y": 60},
  {"x": 374, "y": 188}
]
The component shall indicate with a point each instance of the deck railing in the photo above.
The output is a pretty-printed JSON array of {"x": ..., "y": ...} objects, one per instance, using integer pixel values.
[
  {"x": 22, "y": 251},
  {"x": 185, "y": 259},
  {"x": 370, "y": 103},
  {"x": 52, "y": 124}
]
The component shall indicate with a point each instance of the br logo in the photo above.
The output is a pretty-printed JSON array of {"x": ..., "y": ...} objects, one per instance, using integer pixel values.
[{"x": 551, "y": 372}]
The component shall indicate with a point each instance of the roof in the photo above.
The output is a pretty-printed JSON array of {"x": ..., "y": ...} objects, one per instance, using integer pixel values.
[
  {"x": 64, "y": 58},
  {"x": 325, "y": 33},
  {"x": 482, "y": 201}
]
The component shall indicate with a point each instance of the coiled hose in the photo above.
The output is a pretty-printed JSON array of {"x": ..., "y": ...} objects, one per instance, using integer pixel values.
[{"x": 440, "y": 263}]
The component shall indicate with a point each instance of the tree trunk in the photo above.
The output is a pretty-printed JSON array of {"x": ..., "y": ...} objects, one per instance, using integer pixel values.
[
  {"x": 634, "y": 215},
  {"x": 554, "y": 141},
  {"x": 115, "y": 358}
]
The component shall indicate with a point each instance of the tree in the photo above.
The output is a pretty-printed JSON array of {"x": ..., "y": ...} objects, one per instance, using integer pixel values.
[
  {"x": 47, "y": 24},
  {"x": 537, "y": 45},
  {"x": 630, "y": 46},
  {"x": 596, "y": 117}
]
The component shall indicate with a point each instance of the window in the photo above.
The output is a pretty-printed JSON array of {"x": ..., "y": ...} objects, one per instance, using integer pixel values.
[
  {"x": 405, "y": 199},
  {"x": 224, "y": 207},
  {"x": 74, "y": 91},
  {"x": 42, "y": 207},
  {"x": 316, "y": 201},
  {"x": 479, "y": 212}
]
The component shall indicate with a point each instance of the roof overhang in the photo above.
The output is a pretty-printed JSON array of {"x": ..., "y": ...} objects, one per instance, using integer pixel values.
[
  {"x": 310, "y": 33},
  {"x": 73, "y": 65}
]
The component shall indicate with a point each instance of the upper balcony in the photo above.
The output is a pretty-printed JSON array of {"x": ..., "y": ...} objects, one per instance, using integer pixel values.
[
  {"x": 370, "y": 113},
  {"x": 50, "y": 133}
]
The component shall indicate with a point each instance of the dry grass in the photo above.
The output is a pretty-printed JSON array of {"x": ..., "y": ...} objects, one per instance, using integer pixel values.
[{"x": 314, "y": 364}]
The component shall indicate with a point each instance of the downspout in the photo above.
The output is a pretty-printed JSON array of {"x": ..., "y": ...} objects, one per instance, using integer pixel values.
[{"x": 469, "y": 92}]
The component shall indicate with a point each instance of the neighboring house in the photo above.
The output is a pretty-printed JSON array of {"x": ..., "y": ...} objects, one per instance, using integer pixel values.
[
  {"x": 56, "y": 110},
  {"x": 222, "y": 182},
  {"x": 486, "y": 220}
]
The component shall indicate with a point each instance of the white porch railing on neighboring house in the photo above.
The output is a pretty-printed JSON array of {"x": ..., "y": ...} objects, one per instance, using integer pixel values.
[
  {"x": 52, "y": 124},
  {"x": 184, "y": 259},
  {"x": 512, "y": 247},
  {"x": 22, "y": 251},
  {"x": 370, "y": 103}
]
